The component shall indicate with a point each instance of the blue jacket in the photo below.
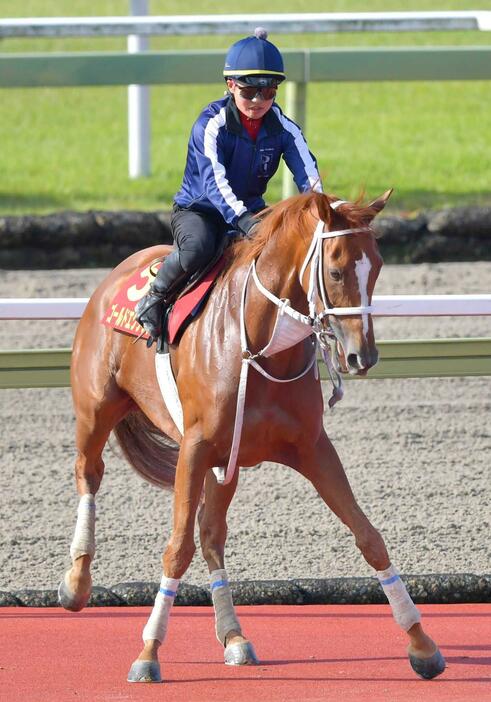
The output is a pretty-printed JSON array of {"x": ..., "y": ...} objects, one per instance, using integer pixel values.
[{"x": 228, "y": 172}]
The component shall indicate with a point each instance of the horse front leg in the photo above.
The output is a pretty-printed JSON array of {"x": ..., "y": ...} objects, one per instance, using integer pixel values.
[
  {"x": 190, "y": 472},
  {"x": 322, "y": 466},
  {"x": 212, "y": 519}
]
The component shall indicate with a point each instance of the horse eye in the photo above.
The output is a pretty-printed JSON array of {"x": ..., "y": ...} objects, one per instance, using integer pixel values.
[{"x": 335, "y": 275}]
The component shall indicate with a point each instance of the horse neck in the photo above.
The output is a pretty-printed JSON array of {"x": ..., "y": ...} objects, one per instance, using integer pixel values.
[{"x": 277, "y": 268}]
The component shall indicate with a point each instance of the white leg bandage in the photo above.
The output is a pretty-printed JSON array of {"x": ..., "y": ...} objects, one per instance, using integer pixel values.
[
  {"x": 403, "y": 608},
  {"x": 225, "y": 617},
  {"x": 156, "y": 627},
  {"x": 84, "y": 537}
]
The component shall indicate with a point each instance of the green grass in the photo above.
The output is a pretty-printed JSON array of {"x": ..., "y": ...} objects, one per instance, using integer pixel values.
[{"x": 67, "y": 148}]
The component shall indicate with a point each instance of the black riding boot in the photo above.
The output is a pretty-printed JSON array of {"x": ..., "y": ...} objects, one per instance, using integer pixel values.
[{"x": 149, "y": 310}]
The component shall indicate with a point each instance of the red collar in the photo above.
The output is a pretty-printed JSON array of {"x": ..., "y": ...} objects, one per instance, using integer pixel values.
[{"x": 252, "y": 126}]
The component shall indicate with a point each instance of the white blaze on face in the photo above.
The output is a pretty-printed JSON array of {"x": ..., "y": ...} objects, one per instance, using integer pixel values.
[{"x": 362, "y": 270}]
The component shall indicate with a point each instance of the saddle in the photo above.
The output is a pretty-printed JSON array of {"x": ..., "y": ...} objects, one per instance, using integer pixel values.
[
  {"x": 189, "y": 301},
  {"x": 120, "y": 314}
]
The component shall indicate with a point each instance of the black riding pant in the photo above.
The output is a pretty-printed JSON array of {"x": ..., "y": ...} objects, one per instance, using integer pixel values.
[{"x": 197, "y": 236}]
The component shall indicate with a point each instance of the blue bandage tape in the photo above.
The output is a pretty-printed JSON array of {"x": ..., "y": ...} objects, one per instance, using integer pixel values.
[
  {"x": 167, "y": 593},
  {"x": 390, "y": 580},
  {"x": 219, "y": 583}
]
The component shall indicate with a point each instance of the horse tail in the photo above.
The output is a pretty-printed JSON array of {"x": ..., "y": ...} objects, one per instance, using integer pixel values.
[{"x": 147, "y": 449}]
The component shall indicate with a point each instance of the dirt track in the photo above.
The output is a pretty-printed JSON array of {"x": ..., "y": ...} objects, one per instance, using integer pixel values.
[{"x": 417, "y": 453}]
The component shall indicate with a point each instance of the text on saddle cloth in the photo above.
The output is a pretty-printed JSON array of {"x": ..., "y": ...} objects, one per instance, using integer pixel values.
[{"x": 120, "y": 314}]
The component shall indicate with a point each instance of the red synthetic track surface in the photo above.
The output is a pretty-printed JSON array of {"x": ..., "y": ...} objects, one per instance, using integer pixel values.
[{"x": 308, "y": 653}]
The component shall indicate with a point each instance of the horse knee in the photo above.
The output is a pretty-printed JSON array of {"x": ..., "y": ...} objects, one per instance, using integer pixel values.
[
  {"x": 178, "y": 555},
  {"x": 372, "y": 547}
]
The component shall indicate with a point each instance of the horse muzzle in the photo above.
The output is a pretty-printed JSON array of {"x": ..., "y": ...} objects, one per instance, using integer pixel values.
[
  {"x": 356, "y": 361},
  {"x": 360, "y": 363}
]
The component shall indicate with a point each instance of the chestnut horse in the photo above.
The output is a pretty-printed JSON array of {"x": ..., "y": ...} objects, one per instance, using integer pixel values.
[{"x": 316, "y": 257}]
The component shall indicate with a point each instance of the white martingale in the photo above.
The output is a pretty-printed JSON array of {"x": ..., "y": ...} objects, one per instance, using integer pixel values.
[
  {"x": 362, "y": 270},
  {"x": 210, "y": 150},
  {"x": 225, "y": 617},
  {"x": 156, "y": 627},
  {"x": 291, "y": 327},
  {"x": 84, "y": 537},
  {"x": 403, "y": 608}
]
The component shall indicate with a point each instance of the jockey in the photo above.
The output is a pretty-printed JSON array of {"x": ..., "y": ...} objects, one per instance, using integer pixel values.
[{"x": 234, "y": 149}]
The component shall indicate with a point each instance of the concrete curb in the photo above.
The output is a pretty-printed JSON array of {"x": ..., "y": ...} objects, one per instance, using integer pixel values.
[{"x": 444, "y": 588}]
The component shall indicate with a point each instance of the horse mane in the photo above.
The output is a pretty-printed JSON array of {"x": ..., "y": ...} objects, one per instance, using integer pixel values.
[{"x": 296, "y": 213}]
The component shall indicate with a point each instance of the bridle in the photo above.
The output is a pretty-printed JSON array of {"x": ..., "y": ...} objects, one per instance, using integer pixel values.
[
  {"x": 325, "y": 334},
  {"x": 317, "y": 287}
]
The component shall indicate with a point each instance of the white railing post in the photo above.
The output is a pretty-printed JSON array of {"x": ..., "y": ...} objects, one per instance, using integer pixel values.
[
  {"x": 295, "y": 109},
  {"x": 138, "y": 107}
]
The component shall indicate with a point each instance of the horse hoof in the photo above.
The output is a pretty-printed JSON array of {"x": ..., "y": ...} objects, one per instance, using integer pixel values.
[
  {"x": 145, "y": 672},
  {"x": 69, "y": 600},
  {"x": 240, "y": 654},
  {"x": 428, "y": 668}
]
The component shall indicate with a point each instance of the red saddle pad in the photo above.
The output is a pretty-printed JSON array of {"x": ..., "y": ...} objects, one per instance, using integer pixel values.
[
  {"x": 188, "y": 303},
  {"x": 120, "y": 314}
]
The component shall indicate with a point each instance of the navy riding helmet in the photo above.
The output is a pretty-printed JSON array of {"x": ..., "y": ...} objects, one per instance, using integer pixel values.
[{"x": 255, "y": 61}]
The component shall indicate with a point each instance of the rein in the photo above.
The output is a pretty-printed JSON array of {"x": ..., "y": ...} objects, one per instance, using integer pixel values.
[{"x": 312, "y": 324}]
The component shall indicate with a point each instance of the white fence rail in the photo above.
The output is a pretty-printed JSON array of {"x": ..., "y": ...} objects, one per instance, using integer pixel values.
[
  {"x": 383, "y": 306},
  {"x": 140, "y": 26},
  {"x": 284, "y": 23},
  {"x": 423, "y": 358}
]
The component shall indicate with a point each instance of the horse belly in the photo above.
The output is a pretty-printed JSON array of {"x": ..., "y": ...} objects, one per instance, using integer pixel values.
[{"x": 274, "y": 434}]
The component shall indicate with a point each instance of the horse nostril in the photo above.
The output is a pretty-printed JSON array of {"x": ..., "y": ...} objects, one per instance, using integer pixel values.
[{"x": 352, "y": 360}]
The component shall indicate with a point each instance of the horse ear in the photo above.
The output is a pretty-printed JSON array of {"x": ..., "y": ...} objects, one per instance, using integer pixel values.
[{"x": 379, "y": 203}]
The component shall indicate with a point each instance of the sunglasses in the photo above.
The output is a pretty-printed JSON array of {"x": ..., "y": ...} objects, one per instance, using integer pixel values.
[{"x": 250, "y": 92}]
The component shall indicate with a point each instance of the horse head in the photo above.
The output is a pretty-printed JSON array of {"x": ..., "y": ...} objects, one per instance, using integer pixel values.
[{"x": 348, "y": 265}]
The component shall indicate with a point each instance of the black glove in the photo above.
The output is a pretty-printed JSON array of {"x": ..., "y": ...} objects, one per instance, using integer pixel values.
[{"x": 246, "y": 223}]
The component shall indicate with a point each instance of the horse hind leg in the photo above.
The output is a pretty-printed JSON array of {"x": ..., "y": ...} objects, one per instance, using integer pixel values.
[
  {"x": 321, "y": 465},
  {"x": 94, "y": 422},
  {"x": 213, "y": 533}
]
